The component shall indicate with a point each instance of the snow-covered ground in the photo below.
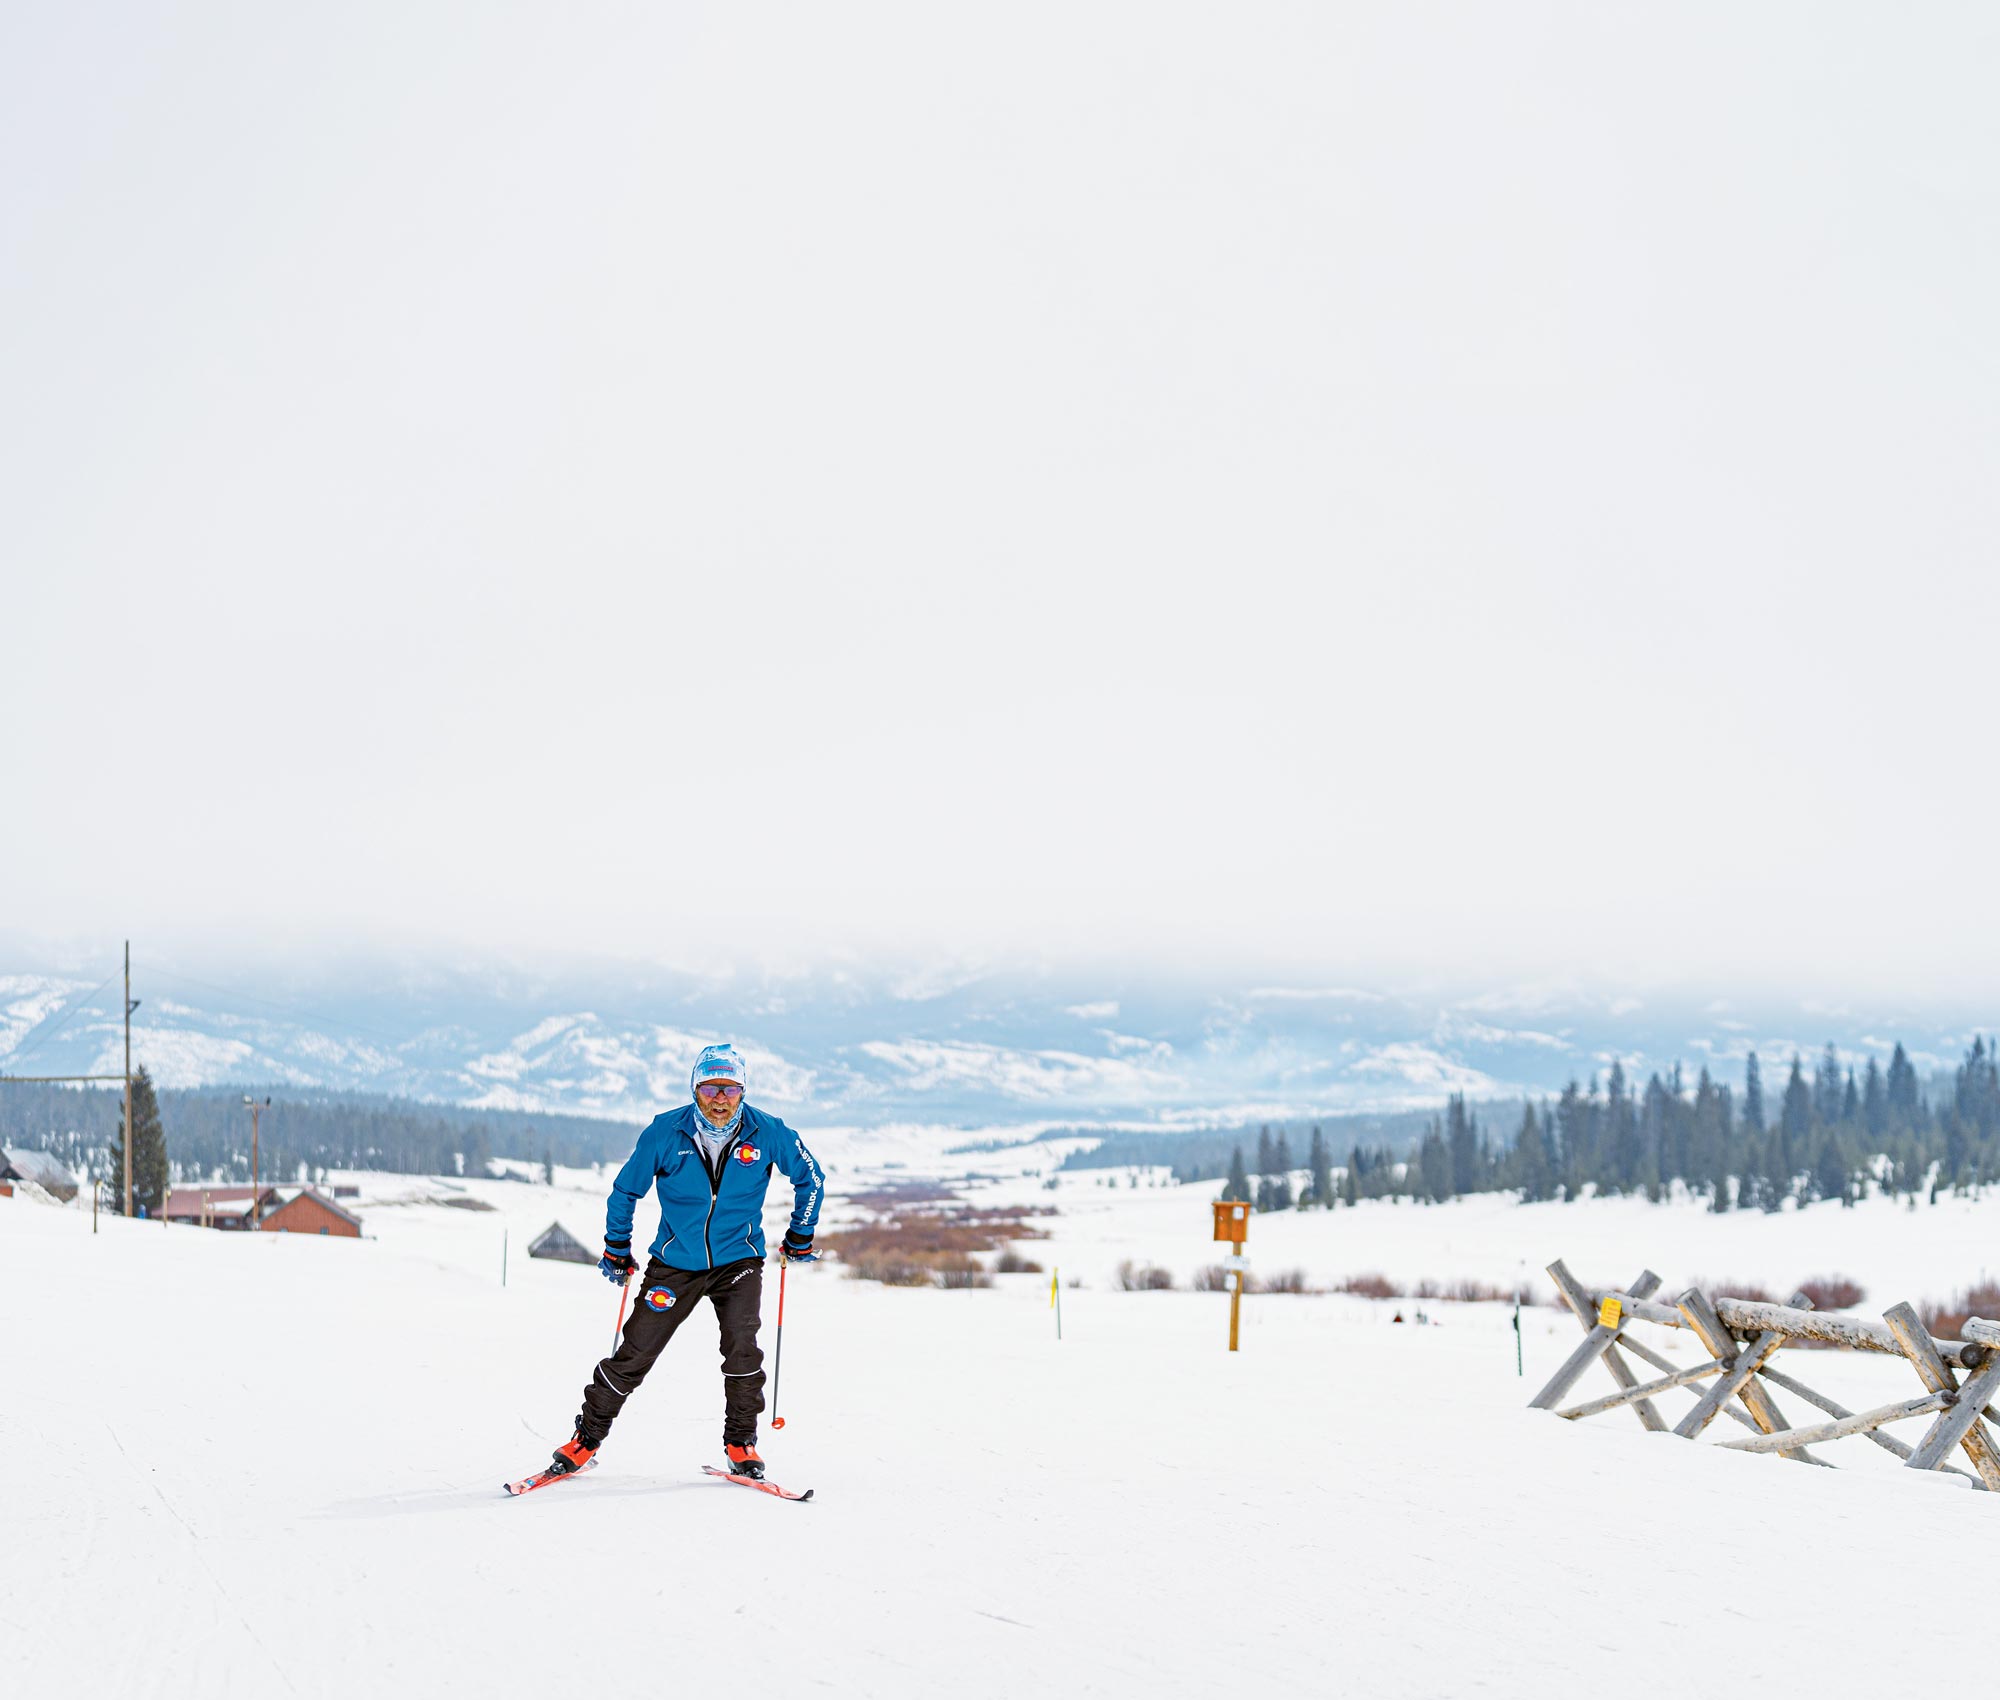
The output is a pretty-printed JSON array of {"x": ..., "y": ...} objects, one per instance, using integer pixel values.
[{"x": 271, "y": 1464}]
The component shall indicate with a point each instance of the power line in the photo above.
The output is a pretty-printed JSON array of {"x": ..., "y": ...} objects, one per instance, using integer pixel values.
[
  {"x": 35, "y": 1044},
  {"x": 283, "y": 1009}
]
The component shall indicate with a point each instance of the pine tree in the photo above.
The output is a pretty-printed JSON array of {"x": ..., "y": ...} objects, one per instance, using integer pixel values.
[
  {"x": 1750, "y": 1183},
  {"x": 1434, "y": 1166},
  {"x": 149, "y": 1152},
  {"x": 1795, "y": 1113},
  {"x": 1321, "y": 1161},
  {"x": 1238, "y": 1189},
  {"x": 1350, "y": 1183},
  {"x": 548, "y": 1167},
  {"x": 1267, "y": 1156},
  {"x": 1904, "y": 1103},
  {"x": 1533, "y": 1172},
  {"x": 1826, "y": 1092},
  {"x": 1656, "y": 1127},
  {"x": 1573, "y": 1130},
  {"x": 1708, "y": 1142},
  {"x": 1874, "y": 1101},
  {"x": 1753, "y": 1095},
  {"x": 1621, "y": 1132},
  {"x": 1461, "y": 1140}
]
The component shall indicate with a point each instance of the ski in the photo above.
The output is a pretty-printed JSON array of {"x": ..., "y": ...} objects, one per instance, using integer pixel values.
[
  {"x": 771, "y": 1488},
  {"x": 542, "y": 1478}
]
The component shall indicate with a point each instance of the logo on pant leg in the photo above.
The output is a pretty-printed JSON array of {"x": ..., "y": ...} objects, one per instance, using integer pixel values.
[{"x": 658, "y": 1298}]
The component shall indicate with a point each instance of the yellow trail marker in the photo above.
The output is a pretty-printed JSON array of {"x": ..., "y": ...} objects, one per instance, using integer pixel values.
[{"x": 1610, "y": 1313}]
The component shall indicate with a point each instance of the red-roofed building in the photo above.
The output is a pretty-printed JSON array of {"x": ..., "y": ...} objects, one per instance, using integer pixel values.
[
  {"x": 309, "y": 1212},
  {"x": 290, "y": 1210},
  {"x": 218, "y": 1206}
]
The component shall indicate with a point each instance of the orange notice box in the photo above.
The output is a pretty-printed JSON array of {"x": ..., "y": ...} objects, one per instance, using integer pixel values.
[{"x": 1232, "y": 1222}]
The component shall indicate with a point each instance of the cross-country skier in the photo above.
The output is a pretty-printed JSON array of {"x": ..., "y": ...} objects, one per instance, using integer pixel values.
[{"x": 712, "y": 1161}]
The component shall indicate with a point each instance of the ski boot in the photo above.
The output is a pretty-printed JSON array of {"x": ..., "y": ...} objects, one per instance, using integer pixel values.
[
  {"x": 572, "y": 1455},
  {"x": 743, "y": 1460}
]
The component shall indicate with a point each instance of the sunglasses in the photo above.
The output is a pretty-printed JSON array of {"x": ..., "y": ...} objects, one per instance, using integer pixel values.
[{"x": 720, "y": 1090}]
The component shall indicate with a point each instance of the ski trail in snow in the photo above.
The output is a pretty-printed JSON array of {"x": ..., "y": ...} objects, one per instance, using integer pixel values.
[{"x": 194, "y": 1552}]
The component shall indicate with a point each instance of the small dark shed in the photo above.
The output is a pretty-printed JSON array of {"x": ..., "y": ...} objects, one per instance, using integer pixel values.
[{"x": 556, "y": 1241}]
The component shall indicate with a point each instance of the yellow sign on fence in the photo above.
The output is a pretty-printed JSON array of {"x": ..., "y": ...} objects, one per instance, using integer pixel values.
[{"x": 1610, "y": 1313}]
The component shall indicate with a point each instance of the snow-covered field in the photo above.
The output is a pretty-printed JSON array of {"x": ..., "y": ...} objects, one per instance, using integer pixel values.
[{"x": 271, "y": 1464}]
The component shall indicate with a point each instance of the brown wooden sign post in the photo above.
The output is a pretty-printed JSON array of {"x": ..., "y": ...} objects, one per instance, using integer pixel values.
[{"x": 1232, "y": 1227}]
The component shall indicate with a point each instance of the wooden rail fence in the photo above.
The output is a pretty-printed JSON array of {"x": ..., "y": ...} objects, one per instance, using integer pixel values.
[{"x": 1741, "y": 1337}]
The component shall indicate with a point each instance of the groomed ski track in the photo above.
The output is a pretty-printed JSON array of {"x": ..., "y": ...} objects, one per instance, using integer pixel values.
[{"x": 278, "y": 1458}]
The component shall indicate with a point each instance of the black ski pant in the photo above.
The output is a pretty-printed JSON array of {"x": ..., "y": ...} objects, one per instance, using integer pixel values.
[{"x": 661, "y": 1305}]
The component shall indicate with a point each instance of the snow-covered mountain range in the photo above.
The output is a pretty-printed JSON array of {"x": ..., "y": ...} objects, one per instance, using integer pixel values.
[{"x": 968, "y": 1046}]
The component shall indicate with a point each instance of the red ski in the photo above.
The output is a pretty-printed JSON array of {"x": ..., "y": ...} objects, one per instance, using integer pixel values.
[
  {"x": 771, "y": 1488},
  {"x": 542, "y": 1478}
]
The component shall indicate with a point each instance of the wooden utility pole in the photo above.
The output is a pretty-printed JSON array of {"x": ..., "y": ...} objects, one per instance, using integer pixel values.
[
  {"x": 128, "y": 1080},
  {"x": 257, "y": 1109}
]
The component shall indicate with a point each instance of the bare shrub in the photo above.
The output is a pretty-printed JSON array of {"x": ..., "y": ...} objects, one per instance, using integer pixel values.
[
  {"x": 1832, "y": 1292},
  {"x": 961, "y": 1275},
  {"x": 1482, "y": 1293},
  {"x": 1947, "y": 1319},
  {"x": 1143, "y": 1277},
  {"x": 1011, "y": 1262},
  {"x": 1284, "y": 1281},
  {"x": 887, "y": 1267},
  {"x": 1211, "y": 1278},
  {"x": 1752, "y": 1292},
  {"x": 902, "y": 1196},
  {"x": 1460, "y": 1291}
]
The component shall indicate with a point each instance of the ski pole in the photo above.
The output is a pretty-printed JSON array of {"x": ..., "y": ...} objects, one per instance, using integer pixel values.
[
  {"x": 778, "y": 1357},
  {"x": 624, "y": 1288}
]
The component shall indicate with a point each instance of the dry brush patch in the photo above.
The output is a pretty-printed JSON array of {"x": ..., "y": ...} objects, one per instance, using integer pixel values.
[
  {"x": 1946, "y": 1318},
  {"x": 1462, "y": 1290},
  {"x": 1144, "y": 1277},
  {"x": 1833, "y": 1292},
  {"x": 906, "y": 1195},
  {"x": 1217, "y": 1278},
  {"x": 923, "y": 1237},
  {"x": 1751, "y": 1292}
]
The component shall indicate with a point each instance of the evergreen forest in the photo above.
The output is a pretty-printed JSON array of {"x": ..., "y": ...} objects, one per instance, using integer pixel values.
[
  {"x": 1826, "y": 1133},
  {"x": 205, "y": 1135}
]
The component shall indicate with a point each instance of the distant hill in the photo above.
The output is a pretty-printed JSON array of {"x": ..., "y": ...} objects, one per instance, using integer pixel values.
[{"x": 1006, "y": 1052}]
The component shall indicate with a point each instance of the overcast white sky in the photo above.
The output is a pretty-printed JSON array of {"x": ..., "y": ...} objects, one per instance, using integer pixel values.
[{"x": 1356, "y": 487}]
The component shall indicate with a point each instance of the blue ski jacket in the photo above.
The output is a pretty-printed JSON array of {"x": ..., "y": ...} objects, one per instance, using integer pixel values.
[{"x": 708, "y": 1219}]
